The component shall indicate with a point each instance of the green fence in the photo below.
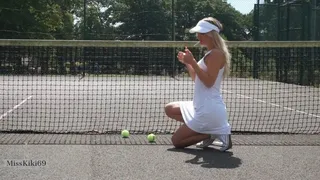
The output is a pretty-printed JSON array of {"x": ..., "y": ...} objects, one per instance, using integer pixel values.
[{"x": 290, "y": 21}]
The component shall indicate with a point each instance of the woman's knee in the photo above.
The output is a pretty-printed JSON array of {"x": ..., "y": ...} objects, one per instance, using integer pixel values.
[
  {"x": 176, "y": 142},
  {"x": 172, "y": 109}
]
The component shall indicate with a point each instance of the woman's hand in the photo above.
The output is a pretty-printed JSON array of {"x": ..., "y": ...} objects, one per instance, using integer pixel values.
[
  {"x": 188, "y": 57},
  {"x": 180, "y": 56}
]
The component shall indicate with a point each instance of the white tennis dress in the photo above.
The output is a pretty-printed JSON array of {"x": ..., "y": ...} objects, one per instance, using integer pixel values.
[{"x": 207, "y": 112}]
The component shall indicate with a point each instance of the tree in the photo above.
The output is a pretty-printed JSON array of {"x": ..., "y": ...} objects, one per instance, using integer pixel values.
[
  {"x": 68, "y": 8},
  {"x": 141, "y": 20},
  {"x": 189, "y": 12},
  {"x": 36, "y": 19},
  {"x": 98, "y": 20}
]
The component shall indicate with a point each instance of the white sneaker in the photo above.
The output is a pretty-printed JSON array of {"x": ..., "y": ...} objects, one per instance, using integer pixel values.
[
  {"x": 207, "y": 142},
  {"x": 226, "y": 142}
]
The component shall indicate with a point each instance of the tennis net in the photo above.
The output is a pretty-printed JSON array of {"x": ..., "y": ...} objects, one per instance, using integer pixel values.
[{"x": 62, "y": 86}]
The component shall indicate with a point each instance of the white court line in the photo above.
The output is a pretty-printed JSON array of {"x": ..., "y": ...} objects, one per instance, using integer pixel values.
[
  {"x": 295, "y": 93},
  {"x": 283, "y": 91},
  {"x": 272, "y": 104},
  {"x": 228, "y": 91},
  {"x": 291, "y": 92},
  {"x": 244, "y": 96},
  {"x": 15, "y": 107}
]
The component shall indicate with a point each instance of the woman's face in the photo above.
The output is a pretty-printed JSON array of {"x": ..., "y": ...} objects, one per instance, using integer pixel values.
[{"x": 204, "y": 39}]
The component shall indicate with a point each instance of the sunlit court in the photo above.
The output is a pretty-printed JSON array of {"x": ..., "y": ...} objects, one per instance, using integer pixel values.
[{"x": 163, "y": 89}]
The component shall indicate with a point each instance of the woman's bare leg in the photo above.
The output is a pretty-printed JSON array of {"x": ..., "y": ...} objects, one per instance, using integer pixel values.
[
  {"x": 185, "y": 137},
  {"x": 173, "y": 111}
]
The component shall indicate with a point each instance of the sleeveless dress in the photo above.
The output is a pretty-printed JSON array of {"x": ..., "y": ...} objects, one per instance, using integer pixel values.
[{"x": 207, "y": 113}]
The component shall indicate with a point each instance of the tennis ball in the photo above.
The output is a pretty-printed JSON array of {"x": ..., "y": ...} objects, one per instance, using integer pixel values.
[
  {"x": 125, "y": 133},
  {"x": 151, "y": 137}
]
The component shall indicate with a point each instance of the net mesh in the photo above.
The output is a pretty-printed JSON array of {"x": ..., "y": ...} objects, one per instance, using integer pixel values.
[{"x": 106, "y": 86}]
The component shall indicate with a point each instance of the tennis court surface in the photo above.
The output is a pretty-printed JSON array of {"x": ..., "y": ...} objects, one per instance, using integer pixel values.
[
  {"x": 103, "y": 87},
  {"x": 81, "y": 94},
  {"x": 110, "y": 104}
]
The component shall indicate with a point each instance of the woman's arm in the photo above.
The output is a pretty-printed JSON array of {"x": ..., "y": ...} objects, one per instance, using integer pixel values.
[
  {"x": 214, "y": 61},
  {"x": 191, "y": 72}
]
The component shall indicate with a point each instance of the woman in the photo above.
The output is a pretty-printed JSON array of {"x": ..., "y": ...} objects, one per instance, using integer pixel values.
[{"x": 205, "y": 118}]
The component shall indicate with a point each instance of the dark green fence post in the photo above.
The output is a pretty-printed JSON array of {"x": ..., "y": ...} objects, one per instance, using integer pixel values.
[
  {"x": 173, "y": 37},
  {"x": 84, "y": 36},
  {"x": 256, "y": 18}
]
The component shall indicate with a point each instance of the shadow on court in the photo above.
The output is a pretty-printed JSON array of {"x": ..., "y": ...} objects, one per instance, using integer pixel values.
[{"x": 211, "y": 158}]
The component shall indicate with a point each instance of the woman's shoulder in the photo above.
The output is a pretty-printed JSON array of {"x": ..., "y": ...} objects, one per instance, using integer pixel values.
[{"x": 215, "y": 52}]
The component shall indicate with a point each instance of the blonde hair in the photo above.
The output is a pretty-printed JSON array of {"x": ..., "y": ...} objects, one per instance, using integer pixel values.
[{"x": 220, "y": 43}]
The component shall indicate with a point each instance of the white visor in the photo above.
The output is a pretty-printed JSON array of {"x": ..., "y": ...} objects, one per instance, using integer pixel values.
[{"x": 204, "y": 27}]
